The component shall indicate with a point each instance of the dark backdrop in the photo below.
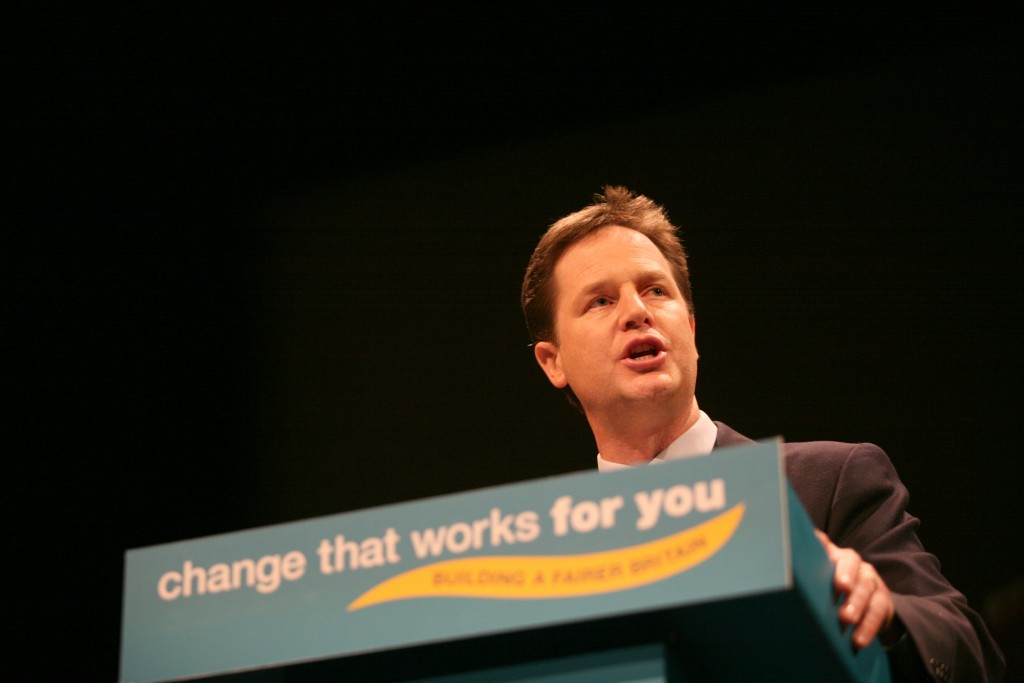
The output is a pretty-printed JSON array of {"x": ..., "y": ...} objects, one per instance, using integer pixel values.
[{"x": 267, "y": 267}]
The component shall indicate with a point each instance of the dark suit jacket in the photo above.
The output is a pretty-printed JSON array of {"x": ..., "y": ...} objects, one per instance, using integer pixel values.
[{"x": 853, "y": 494}]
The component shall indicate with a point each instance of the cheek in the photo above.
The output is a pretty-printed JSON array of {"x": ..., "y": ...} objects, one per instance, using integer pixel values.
[
  {"x": 580, "y": 353},
  {"x": 687, "y": 351}
]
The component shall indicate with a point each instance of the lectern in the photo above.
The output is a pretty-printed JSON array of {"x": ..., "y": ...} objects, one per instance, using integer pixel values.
[{"x": 705, "y": 569}]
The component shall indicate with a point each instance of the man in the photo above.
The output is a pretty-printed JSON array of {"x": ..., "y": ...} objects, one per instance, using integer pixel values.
[{"x": 608, "y": 304}]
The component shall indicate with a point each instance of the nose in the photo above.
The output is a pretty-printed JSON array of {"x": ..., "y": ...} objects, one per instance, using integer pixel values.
[{"x": 634, "y": 313}]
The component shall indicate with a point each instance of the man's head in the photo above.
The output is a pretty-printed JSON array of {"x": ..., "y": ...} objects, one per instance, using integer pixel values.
[
  {"x": 617, "y": 206},
  {"x": 600, "y": 281}
]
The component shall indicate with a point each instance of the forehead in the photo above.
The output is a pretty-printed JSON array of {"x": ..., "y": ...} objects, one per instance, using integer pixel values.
[{"x": 609, "y": 250}]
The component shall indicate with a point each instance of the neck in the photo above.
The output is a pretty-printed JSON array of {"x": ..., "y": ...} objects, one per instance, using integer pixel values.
[{"x": 638, "y": 436}]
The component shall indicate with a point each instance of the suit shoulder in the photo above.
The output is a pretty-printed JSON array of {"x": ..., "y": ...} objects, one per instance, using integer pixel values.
[
  {"x": 831, "y": 454},
  {"x": 814, "y": 455}
]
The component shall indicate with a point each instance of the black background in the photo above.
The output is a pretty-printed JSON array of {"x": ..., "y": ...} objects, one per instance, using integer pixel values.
[{"x": 266, "y": 266}]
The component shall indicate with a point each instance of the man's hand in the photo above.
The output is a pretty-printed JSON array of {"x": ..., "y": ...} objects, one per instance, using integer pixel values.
[{"x": 868, "y": 607}]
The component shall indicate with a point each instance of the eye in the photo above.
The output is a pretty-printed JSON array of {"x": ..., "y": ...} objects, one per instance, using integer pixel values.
[
  {"x": 600, "y": 301},
  {"x": 658, "y": 291}
]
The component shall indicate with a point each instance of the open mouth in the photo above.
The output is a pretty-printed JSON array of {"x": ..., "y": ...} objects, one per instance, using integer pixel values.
[{"x": 643, "y": 351}]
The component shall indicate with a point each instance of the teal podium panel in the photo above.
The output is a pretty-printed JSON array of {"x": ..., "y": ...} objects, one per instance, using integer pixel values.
[{"x": 711, "y": 559}]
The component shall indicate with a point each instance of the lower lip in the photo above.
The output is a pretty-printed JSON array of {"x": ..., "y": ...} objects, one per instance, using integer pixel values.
[{"x": 646, "y": 362}]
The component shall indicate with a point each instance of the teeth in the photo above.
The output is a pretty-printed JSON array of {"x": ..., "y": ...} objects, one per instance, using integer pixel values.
[{"x": 642, "y": 350}]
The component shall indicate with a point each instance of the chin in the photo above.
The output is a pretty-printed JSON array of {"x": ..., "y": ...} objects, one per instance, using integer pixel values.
[{"x": 658, "y": 388}]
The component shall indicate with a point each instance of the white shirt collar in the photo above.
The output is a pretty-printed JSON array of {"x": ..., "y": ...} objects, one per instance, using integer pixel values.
[{"x": 697, "y": 440}]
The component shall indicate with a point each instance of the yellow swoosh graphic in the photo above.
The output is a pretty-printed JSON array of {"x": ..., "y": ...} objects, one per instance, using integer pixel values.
[{"x": 518, "y": 577}]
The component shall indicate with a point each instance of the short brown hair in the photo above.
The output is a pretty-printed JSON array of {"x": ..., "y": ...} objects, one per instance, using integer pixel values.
[{"x": 617, "y": 206}]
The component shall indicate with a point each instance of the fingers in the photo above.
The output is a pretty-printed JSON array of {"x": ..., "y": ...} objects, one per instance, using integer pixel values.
[
  {"x": 848, "y": 565},
  {"x": 862, "y": 604},
  {"x": 868, "y": 606},
  {"x": 877, "y": 615}
]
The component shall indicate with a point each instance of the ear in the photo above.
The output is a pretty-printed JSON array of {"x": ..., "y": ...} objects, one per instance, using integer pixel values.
[
  {"x": 693, "y": 332},
  {"x": 547, "y": 357}
]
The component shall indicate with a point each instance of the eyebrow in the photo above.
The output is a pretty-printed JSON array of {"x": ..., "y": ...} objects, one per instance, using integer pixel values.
[{"x": 649, "y": 275}]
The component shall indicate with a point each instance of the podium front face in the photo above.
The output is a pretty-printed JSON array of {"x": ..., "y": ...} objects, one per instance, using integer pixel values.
[{"x": 703, "y": 566}]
